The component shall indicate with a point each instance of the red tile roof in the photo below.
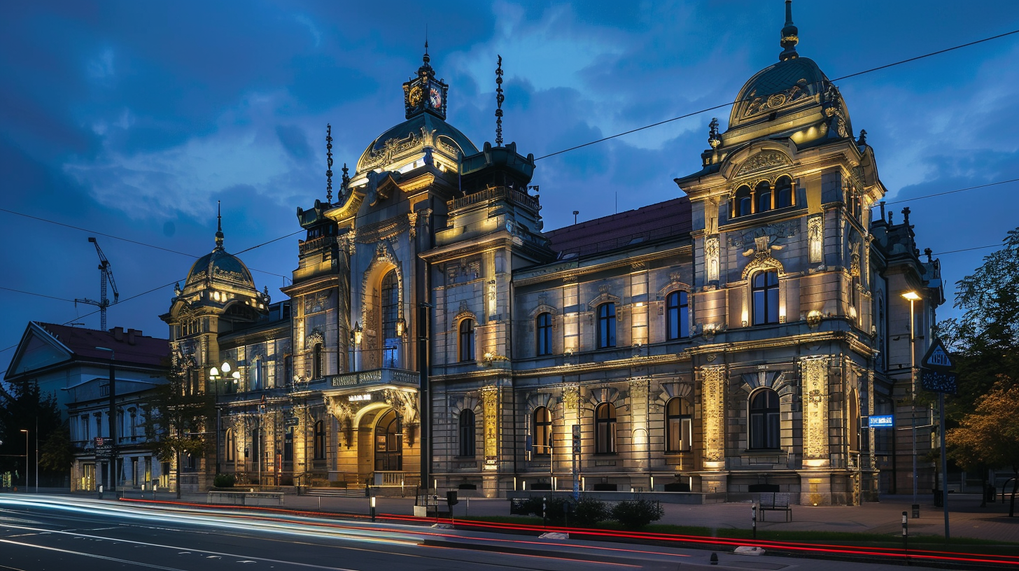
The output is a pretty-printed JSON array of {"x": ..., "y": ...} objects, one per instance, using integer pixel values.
[
  {"x": 662, "y": 220},
  {"x": 145, "y": 350}
]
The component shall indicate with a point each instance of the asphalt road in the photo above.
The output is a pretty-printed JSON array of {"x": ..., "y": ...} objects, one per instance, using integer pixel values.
[{"x": 63, "y": 533}]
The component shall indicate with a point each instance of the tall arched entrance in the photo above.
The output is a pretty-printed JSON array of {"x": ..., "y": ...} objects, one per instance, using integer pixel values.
[{"x": 388, "y": 443}]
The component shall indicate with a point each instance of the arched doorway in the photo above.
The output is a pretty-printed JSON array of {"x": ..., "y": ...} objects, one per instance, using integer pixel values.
[{"x": 388, "y": 443}]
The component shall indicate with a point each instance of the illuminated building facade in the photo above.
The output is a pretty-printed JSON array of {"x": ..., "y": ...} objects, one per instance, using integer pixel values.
[{"x": 737, "y": 336}]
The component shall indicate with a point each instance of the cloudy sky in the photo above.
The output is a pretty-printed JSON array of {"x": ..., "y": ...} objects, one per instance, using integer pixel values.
[{"x": 129, "y": 120}]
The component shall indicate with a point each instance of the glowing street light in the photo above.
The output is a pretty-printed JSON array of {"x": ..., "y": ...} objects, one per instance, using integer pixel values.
[{"x": 912, "y": 296}]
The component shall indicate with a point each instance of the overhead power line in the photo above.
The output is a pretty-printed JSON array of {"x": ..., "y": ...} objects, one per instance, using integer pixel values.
[{"x": 723, "y": 105}]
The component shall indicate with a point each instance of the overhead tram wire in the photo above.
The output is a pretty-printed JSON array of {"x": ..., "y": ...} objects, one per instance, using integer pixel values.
[
  {"x": 979, "y": 186},
  {"x": 603, "y": 139},
  {"x": 851, "y": 75},
  {"x": 145, "y": 244}
]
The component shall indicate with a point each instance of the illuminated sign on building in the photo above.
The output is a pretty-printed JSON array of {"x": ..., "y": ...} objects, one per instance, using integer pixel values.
[
  {"x": 359, "y": 398},
  {"x": 882, "y": 421}
]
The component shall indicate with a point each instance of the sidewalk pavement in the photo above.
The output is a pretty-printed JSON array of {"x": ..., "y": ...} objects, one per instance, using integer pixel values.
[{"x": 966, "y": 517}]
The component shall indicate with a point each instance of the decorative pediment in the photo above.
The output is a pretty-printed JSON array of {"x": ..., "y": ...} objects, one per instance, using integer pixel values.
[
  {"x": 763, "y": 260},
  {"x": 604, "y": 297},
  {"x": 762, "y": 161}
]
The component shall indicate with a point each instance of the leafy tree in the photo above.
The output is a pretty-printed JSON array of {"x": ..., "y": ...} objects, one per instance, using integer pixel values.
[
  {"x": 23, "y": 407},
  {"x": 56, "y": 453},
  {"x": 177, "y": 419},
  {"x": 985, "y": 340},
  {"x": 991, "y": 433}
]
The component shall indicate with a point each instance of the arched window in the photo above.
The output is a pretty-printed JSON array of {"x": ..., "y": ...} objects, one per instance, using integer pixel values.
[
  {"x": 678, "y": 425},
  {"x": 764, "y": 420},
  {"x": 320, "y": 441},
  {"x": 389, "y": 443},
  {"x": 606, "y": 325},
  {"x": 390, "y": 303},
  {"x": 763, "y": 194},
  {"x": 605, "y": 429},
  {"x": 765, "y": 297},
  {"x": 316, "y": 361},
  {"x": 231, "y": 445},
  {"x": 783, "y": 192},
  {"x": 467, "y": 340},
  {"x": 543, "y": 328},
  {"x": 542, "y": 431},
  {"x": 742, "y": 203},
  {"x": 467, "y": 433},
  {"x": 390, "y": 313},
  {"x": 677, "y": 318}
]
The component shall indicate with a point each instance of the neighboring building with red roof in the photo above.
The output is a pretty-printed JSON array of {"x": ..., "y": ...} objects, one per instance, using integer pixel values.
[{"x": 73, "y": 364}]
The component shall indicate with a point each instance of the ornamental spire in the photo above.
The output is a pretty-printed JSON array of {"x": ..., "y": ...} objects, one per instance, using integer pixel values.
[
  {"x": 790, "y": 35},
  {"x": 329, "y": 163},
  {"x": 219, "y": 226},
  {"x": 499, "y": 98}
]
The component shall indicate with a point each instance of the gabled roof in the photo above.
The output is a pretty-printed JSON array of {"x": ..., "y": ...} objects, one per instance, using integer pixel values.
[
  {"x": 671, "y": 218},
  {"x": 69, "y": 343}
]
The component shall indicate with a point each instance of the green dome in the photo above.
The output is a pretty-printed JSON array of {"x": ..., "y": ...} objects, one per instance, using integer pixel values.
[
  {"x": 412, "y": 135},
  {"x": 787, "y": 85}
]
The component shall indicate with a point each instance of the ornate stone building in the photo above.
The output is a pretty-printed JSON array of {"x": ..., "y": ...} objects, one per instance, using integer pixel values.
[{"x": 737, "y": 336}]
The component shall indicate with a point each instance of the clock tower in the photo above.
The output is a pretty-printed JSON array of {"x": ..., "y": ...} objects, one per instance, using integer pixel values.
[{"x": 424, "y": 93}]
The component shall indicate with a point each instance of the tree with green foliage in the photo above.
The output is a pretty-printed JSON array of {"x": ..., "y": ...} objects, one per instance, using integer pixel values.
[
  {"x": 991, "y": 432},
  {"x": 985, "y": 340},
  {"x": 985, "y": 346},
  {"x": 177, "y": 420},
  {"x": 23, "y": 407}
]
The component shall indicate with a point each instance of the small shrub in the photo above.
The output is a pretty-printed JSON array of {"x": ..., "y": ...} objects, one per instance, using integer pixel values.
[
  {"x": 589, "y": 511},
  {"x": 224, "y": 481},
  {"x": 557, "y": 510},
  {"x": 636, "y": 514}
]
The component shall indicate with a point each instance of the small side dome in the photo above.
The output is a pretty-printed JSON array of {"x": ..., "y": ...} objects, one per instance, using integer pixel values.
[{"x": 220, "y": 270}]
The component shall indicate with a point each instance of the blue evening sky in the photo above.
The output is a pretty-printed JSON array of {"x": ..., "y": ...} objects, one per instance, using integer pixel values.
[{"x": 129, "y": 120}]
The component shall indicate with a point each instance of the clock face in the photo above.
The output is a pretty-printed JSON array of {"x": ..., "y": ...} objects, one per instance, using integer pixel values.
[
  {"x": 435, "y": 97},
  {"x": 414, "y": 97}
]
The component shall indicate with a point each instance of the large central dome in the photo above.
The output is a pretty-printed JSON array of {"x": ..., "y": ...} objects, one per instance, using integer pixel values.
[
  {"x": 424, "y": 98},
  {"x": 419, "y": 131}
]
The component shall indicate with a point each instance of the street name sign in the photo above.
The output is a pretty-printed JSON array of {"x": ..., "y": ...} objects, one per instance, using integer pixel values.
[{"x": 937, "y": 357}]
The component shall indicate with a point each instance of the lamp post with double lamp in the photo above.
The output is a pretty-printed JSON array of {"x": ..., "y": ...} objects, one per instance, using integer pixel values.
[
  {"x": 216, "y": 375},
  {"x": 26, "y": 459},
  {"x": 912, "y": 296},
  {"x": 113, "y": 421}
]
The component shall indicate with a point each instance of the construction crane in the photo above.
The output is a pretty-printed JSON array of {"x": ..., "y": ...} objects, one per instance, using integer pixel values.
[{"x": 105, "y": 275}]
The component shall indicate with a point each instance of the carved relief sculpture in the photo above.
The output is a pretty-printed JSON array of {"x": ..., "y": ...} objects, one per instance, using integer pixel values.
[
  {"x": 714, "y": 413},
  {"x": 813, "y": 373}
]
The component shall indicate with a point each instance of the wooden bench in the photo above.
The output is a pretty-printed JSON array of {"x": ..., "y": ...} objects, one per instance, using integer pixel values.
[{"x": 773, "y": 502}]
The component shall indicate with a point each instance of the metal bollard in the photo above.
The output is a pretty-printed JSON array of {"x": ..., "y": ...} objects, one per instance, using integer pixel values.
[{"x": 905, "y": 531}]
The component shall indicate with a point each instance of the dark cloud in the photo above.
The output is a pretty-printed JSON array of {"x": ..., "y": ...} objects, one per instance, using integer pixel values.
[{"x": 293, "y": 140}]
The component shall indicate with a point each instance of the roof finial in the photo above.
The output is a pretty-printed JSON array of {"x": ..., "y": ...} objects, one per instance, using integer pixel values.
[
  {"x": 499, "y": 98},
  {"x": 346, "y": 178},
  {"x": 790, "y": 35},
  {"x": 426, "y": 58},
  {"x": 219, "y": 225},
  {"x": 329, "y": 163}
]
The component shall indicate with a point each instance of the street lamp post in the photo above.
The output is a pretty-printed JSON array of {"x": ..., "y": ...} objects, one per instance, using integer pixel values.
[
  {"x": 217, "y": 375},
  {"x": 113, "y": 421},
  {"x": 912, "y": 296},
  {"x": 26, "y": 458}
]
